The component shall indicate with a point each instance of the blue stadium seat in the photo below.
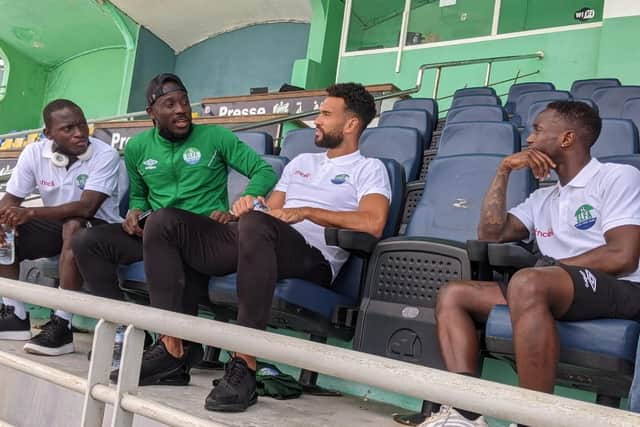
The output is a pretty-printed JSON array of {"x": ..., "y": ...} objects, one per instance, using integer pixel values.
[
  {"x": 481, "y": 90},
  {"x": 401, "y": 144},
  {"x": 479, "y": 137},
  {"x": 476, "y": 113},
  {"x": 519, "y": 88},
  {"x": 396, "y": 317},
  {"x": 417, "y": 119},
  {"x": 610, "y": 100},
  {"x": 309, "y": 308},
  {"x": 618, "y": 137},
  {"x": 596, "y": 355},
  {"x": 631, "y": 110},
  {"x": 300, "y": 141},
  {"x": 236, "y": 182},
  {"x": 587, "y": 101},
  {"x": 261, "y": 142},
  {"x": 525, "y": 100},
  {"x": 585, "y": 88},
  {"x": 427, "y": 104},
  {"x": 628, "y": 159},
  {"x": 463, "y": 101}
]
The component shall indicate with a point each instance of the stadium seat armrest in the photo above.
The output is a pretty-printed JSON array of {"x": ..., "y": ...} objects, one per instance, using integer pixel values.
[
  {"x": 353, "y": 241},
  {"x": 510, "y": 255},
  {"x": 478, "y": 250}
]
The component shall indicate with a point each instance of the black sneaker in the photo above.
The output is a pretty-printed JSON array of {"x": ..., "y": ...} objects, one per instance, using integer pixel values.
[
  {"x": 12, "y": 327},
  {"x": 159, "y": 367},
  {"x": 236, "y": 391},
  {"x": 55, "y": 339}
]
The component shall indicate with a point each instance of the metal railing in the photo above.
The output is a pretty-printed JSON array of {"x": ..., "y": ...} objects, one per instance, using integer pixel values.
[
  {"x": 489, "y": 398},
  {"x": 438, "y": 66}
]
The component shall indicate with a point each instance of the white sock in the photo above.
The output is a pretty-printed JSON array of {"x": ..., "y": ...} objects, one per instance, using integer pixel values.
[
  {"x": 18, "y": 307},
  {"x": 64, "y": 315}
]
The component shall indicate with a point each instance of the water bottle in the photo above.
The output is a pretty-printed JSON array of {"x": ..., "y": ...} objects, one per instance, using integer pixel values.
[
  {"x": 7, "y": 252},
  {"x": 259, "y": 206}
]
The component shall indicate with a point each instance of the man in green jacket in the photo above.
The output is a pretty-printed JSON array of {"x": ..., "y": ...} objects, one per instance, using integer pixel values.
[{"x": 175, "y": 164}]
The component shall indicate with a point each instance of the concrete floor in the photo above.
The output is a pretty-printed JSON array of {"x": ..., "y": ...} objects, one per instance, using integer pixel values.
[{"x": 26, "y": 401}]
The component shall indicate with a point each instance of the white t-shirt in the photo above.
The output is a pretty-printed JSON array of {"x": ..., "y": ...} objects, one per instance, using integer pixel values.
[
  {"x": 571, "y": 220},
  {"x": 58, "y": 186},
  {"x": 335, "y": 184}
]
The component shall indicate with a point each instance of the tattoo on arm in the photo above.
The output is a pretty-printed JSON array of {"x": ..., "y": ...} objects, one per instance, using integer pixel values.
[{"x": 493, "y": 213}]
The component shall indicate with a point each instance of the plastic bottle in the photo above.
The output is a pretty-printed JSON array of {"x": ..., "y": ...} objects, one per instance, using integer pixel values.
[
  {"x": 259, "y": 206},
  {"x": 7, "y": 252}
]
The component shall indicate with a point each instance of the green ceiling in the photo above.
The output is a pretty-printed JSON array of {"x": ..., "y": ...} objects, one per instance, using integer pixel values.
[{"x": 51, "y": 31}]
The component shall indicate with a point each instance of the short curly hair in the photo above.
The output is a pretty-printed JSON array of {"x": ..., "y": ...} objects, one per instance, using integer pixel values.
[
  {"x": 356, "y": 99},
  {"x": 57, "y": 105},
  {"x": 581, "y": 116}
]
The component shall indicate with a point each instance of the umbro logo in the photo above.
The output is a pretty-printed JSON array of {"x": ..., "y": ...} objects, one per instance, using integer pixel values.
[{"x": 150, "y": 164}]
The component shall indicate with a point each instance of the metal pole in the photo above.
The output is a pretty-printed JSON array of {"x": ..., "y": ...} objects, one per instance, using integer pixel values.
[
  {"x": 481, "y": 396},
  {"x": 488, "y": 75},
  {"x": 436, "y": 83}
]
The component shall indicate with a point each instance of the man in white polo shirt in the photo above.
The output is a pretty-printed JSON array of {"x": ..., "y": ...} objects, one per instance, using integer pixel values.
[
  {"x": 588, "y": 229},
  {"x": 77, "y": 178},
  {"x": 274, "y": 239}
]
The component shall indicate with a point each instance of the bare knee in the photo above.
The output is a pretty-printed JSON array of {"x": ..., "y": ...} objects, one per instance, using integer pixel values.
[
  {"x": 70, "y": 228},
  {"x": 527, "y": 290},
  {"x": 451, "y": 296}
]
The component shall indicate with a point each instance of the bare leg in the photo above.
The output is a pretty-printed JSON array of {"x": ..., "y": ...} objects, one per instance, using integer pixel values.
[
  {"x": 459, "y": 306},
  {"x": 538, "y": 296},
  {"x": 70, "y": 277}
]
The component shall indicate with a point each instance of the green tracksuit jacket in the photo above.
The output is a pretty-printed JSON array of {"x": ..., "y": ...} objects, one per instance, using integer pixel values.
[{"x": 191, "y": 174}]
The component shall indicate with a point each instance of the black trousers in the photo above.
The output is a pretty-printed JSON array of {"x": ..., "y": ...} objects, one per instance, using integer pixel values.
[
  {"x": 40, "y": 238},
  {"x": 261, "y": 248}
]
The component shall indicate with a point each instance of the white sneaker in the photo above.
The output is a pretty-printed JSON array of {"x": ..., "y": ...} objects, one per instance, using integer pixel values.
[{"x": 449, "y": 417}]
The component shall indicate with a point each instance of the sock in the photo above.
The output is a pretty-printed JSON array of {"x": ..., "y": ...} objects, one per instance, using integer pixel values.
[
  {"x": 18, "y": 307},
  {"x": 64, "y": 315}
]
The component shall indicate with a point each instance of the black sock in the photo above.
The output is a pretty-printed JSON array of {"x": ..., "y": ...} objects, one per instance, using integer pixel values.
[{"x": 472, "y": 416}]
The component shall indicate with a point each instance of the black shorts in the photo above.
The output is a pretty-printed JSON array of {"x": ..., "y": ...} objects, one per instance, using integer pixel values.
[
  {"x": 40, "y": 238},
  {"x": 598, "y": 295}
]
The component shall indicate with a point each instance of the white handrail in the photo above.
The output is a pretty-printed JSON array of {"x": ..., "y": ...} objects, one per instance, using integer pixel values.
[{"x": 486, "y": 397}]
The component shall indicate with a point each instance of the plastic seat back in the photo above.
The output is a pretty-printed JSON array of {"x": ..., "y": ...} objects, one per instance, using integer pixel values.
[
  {"x": 585, "y": 88},
  {"x": 481, "y": 90},
  {"x": 618, "y": 137},
  {"x": 527, "y": 99},
  {"x": 300, "y": 141},
  {"x": 401, "y": 144},
  {"x": 417, "y": 119},
  {"x": 631, "y": 110},
  {"x": 479, "y": 137},
  {"x": 261, "y": 142},
  {"x": 519, "y": 88},
  {"x": 236, "y": 182},
  {"x": 476, "y": 113},
  {"x": 427, "y": 104},
  {"x": 450, "y": 204},
  {"x": 610, "y": 100},
  {"x": 463, "y": 101}
]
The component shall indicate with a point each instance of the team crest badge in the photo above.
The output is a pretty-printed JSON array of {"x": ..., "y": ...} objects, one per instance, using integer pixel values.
[{"x": 585, "y": 217}]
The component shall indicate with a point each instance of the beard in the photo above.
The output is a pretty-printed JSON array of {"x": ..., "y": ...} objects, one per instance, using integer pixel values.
[
  {"x": 329, "y": 141},
  {"x": 174, "y": 137}
]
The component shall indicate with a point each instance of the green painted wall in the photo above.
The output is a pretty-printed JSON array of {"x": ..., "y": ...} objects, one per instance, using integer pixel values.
[
  {"x": 318, "y": 69},
  {"x": 153, "y": 56},
  {"x": 21, "y": 107},
  {"x": 93, "y": 81},
  {"x": 569, "y": 55},
  {"x": 618, "y": 50}
]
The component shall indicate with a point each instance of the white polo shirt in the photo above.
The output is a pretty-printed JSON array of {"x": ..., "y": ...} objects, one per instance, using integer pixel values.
[
  {"x": 59, "y": 185},
  {"x": 571, "y": 220},
  {"x": 335, "y": 184}
]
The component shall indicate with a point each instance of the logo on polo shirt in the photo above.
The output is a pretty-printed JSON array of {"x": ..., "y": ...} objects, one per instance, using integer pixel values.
[
  {"x": 191, "y": 156},
  {"x": 585, "y": 217},
  {"x": 82, "y": 180},
  {"x": 150, "y": 164},
  {"x": 340, "y": 178}
]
